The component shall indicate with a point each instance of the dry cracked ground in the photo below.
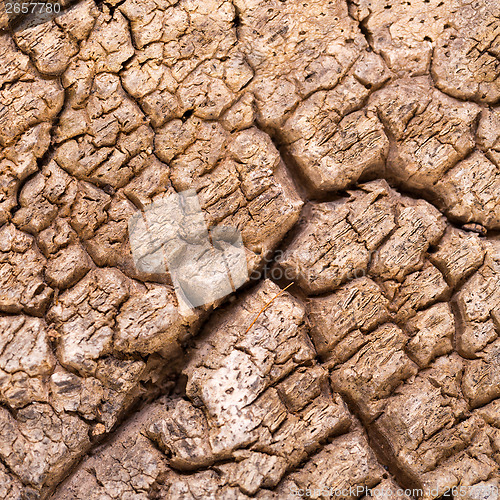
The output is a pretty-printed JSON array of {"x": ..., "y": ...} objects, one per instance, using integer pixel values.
[{"x": 356, "y": 147}]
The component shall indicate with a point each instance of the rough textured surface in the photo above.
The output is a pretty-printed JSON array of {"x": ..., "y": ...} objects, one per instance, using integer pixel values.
[{"x": 355, "y": 148}]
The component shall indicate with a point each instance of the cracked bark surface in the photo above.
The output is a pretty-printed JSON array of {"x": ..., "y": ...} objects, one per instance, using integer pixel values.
[{"x": 355, "y": 146}]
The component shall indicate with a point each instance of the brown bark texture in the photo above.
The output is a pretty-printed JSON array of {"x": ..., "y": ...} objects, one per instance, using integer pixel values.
[{"x": 353, "y": 147}]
